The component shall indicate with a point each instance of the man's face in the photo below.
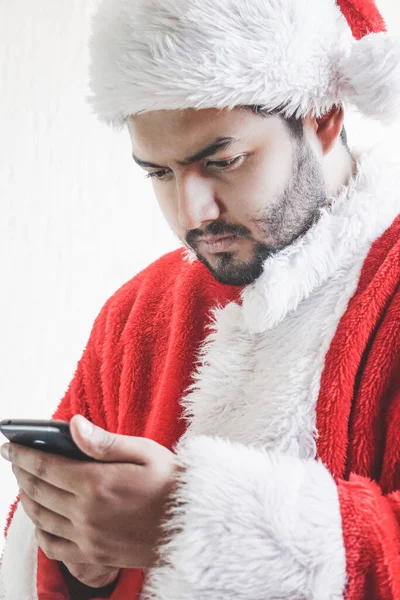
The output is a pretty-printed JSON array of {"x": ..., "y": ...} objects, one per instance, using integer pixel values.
[{"x": 264, "y": 189}]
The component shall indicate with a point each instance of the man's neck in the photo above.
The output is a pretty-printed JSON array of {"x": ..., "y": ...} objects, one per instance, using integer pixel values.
[{"x": 339, "y": 166}]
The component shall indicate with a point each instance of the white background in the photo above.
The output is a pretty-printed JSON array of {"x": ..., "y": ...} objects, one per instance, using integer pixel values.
[{"x": 77, "y": 219}]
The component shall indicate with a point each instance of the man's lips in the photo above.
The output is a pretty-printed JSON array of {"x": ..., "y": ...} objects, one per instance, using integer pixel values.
[
  {"x": 216, "y": 244},
  {"x": 216, "y": 238}
]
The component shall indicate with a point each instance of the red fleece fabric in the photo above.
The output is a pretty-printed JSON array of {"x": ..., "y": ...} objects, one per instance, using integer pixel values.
[
  {"x": 139, "y": 361},
  {"x": 358, "y": 420},
  {"x": 362, "y": 16}
]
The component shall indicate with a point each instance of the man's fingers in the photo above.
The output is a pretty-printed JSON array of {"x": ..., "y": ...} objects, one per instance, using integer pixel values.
[
  {"x": 46, "y": 519},
  {"x": 58, "y": 548},
  {"x": 48, "y": 496},
  {"x": 64, "y": 473}
]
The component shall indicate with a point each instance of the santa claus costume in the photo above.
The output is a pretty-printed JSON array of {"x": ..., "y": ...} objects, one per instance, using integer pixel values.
[{"x": 281, "y": 399}]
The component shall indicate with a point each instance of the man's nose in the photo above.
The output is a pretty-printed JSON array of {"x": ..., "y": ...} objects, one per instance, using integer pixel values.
[{"x": 196, "y": 201}]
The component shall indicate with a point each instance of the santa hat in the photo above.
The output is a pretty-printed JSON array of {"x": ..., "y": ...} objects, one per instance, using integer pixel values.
[{"x": 294, "y": 56}]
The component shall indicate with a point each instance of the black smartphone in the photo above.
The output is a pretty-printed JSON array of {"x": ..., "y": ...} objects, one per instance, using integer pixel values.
[{"x": 49, "y": 436}]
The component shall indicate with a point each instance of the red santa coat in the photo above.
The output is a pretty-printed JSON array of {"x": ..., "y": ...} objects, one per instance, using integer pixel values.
[{"x": 282, "y": 402}]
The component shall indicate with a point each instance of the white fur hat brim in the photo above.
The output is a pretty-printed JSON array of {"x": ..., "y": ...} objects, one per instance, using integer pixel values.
[{"x": 297, "y": 56}]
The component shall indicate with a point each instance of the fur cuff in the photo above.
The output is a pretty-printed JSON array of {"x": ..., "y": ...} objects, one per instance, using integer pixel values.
[{"x": 251, "y": 525}]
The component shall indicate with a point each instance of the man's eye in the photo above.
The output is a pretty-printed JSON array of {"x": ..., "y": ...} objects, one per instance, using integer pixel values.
[
  {"x": 157, "y": 174},
  {"x": 223, "y": 164},
  {"x": 218, "y": 164}
]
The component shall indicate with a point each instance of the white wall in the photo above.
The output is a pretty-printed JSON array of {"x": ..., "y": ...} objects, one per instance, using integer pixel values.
[{"x": 77, "y": 217}]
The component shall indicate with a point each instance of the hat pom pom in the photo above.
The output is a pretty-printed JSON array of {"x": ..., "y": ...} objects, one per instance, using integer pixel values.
[{"x": 371, "y": 72}]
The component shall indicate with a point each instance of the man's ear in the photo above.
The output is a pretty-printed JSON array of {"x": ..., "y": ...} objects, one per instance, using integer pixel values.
[{"x": 327, "y": 128}]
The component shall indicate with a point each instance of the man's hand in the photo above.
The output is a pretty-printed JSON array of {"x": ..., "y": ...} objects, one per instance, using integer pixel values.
[{"x": 104, "y": 514}]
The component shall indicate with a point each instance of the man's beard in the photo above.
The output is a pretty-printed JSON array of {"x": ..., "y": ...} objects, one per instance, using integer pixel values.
[{"x": 297, "y": 209}]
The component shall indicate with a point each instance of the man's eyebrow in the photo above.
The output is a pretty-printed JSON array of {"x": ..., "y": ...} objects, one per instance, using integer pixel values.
[{"x": 217, "y": 145}]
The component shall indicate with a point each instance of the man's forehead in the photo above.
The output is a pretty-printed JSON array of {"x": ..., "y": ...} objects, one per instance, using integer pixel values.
[
  {"x": 192, "y": 122},
  {"x": 184, "y": 132}
]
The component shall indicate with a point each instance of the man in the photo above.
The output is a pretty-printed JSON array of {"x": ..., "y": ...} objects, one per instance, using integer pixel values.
[{"x": 245, "y": 391}]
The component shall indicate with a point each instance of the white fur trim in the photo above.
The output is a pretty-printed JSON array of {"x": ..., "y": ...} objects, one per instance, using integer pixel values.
[
  {"x": 259, "y": 369},
  {"x": 372, "y": 70},
  {"x": 19, "y": 565},
  {"x": 250, "y": 525},
  {"x": 174, "y": 54}
]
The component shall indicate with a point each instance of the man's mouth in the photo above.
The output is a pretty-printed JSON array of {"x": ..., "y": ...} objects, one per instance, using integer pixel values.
[{"x": 214, "y": 244}]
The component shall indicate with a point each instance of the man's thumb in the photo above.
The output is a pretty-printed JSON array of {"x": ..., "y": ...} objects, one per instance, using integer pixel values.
[
  {"x": 92, "y": 440},
  {"x": 103, "y": 445}
]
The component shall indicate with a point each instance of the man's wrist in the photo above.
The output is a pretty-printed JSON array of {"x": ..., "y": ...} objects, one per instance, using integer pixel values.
[{"x": 77, "y": 589}]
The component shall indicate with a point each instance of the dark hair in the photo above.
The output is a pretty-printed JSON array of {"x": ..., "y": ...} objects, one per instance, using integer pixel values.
[{"x": 294, "y": 124}]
